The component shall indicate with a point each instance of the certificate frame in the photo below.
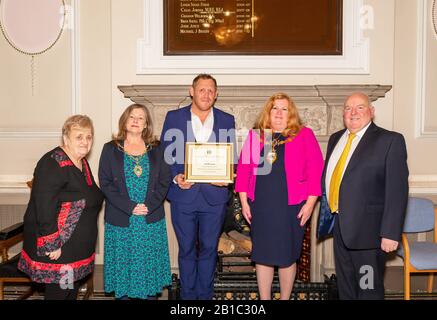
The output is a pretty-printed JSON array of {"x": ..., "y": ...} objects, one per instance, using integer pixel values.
[{"x": 208, "y": 172}]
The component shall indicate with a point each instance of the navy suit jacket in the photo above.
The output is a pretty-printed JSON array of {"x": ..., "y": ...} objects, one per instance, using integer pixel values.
[
  {"x": 118, "y": 206},
  {"x": 373, "y": 192},
  {"x": 177, "y": 130}
]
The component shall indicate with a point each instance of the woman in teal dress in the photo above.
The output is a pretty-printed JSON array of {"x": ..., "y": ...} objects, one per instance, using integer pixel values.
[{"x": 135, "y": 179}]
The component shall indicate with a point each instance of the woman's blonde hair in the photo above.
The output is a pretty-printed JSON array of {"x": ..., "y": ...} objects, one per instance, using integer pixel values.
[
  {"x": 147, "y": 133},
  {"x": 294, "y": 124},
  {"x": 77, "y": 121}
]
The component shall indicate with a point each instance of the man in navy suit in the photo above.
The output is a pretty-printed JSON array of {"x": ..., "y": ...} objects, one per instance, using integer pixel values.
[
  {"x": 372, "y": 195},
  {"x": 197, "y": 209}
]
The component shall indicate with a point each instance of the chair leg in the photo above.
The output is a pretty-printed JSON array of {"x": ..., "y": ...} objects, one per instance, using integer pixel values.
[
  {"x": 406, "y": 283},
  {"x": 4, "y": 255},
  {"x": 89, "y": 287},
  {"x": 430, "y": 282},
  {"x": 28, "y": 293}
]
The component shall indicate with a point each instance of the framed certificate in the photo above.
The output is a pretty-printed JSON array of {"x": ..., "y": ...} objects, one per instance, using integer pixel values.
[{"x": 209, "y": 162}]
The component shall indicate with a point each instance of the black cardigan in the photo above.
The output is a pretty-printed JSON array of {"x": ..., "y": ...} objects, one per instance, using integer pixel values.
[{"x": 119, "y": 207}]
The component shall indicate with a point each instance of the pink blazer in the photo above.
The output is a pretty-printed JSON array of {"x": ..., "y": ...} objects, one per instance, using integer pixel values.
[{"x": 303, "y": 166}]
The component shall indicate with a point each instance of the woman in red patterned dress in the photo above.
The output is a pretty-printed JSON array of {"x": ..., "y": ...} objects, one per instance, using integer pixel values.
[{"x": 60, "y": 223}]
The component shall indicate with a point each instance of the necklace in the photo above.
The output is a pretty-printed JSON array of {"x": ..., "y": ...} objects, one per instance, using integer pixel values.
[
  {"x": 272, "y": 154},
  {"x": 138, "y": 170}
]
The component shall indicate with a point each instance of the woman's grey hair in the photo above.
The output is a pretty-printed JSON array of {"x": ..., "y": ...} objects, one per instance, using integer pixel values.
[{"x": 79, "y": 121}]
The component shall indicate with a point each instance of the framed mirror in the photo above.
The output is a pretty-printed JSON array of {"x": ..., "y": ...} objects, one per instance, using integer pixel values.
[
  {"x": 434, "y": 16},
  {"x": 32, "y": 26}
]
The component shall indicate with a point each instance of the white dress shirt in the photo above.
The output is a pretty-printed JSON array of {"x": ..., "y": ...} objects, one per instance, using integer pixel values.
[
  {"x": 202, "y": 131},
  {"x": 336, "y": 153}
]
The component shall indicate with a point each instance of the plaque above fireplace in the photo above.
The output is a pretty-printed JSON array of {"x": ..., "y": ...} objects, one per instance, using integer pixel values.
[{"x": 252, "y": 27}]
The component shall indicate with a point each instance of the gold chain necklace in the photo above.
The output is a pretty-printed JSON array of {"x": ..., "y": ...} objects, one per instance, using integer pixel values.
[
  {"x": 138, "y": 170},
  {"x": 272, "y": 155}
]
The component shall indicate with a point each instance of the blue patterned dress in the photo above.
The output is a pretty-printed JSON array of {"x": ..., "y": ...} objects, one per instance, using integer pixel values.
[{"x": 137, "y": 262}]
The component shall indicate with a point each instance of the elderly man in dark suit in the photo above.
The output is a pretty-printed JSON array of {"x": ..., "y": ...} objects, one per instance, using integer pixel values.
[{"x": 365, "y": 183}]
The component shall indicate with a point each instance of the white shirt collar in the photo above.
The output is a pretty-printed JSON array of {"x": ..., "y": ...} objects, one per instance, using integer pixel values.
[
  {"x": 202, "y": 131},
  {"x": 208, "y": 117},
  {"x": 361, "y": 132}
]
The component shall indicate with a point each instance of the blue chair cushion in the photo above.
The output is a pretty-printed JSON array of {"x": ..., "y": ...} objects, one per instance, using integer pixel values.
[
  {"x": 419, "y": 216},
  {"x": 423, "y": 255}
]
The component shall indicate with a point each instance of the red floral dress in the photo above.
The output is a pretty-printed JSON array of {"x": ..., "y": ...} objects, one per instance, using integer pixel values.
[{"x": 62, "y": 213}]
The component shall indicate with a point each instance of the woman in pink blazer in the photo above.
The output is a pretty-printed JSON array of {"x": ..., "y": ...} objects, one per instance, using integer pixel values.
[{"x": 278, "y": 180}]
